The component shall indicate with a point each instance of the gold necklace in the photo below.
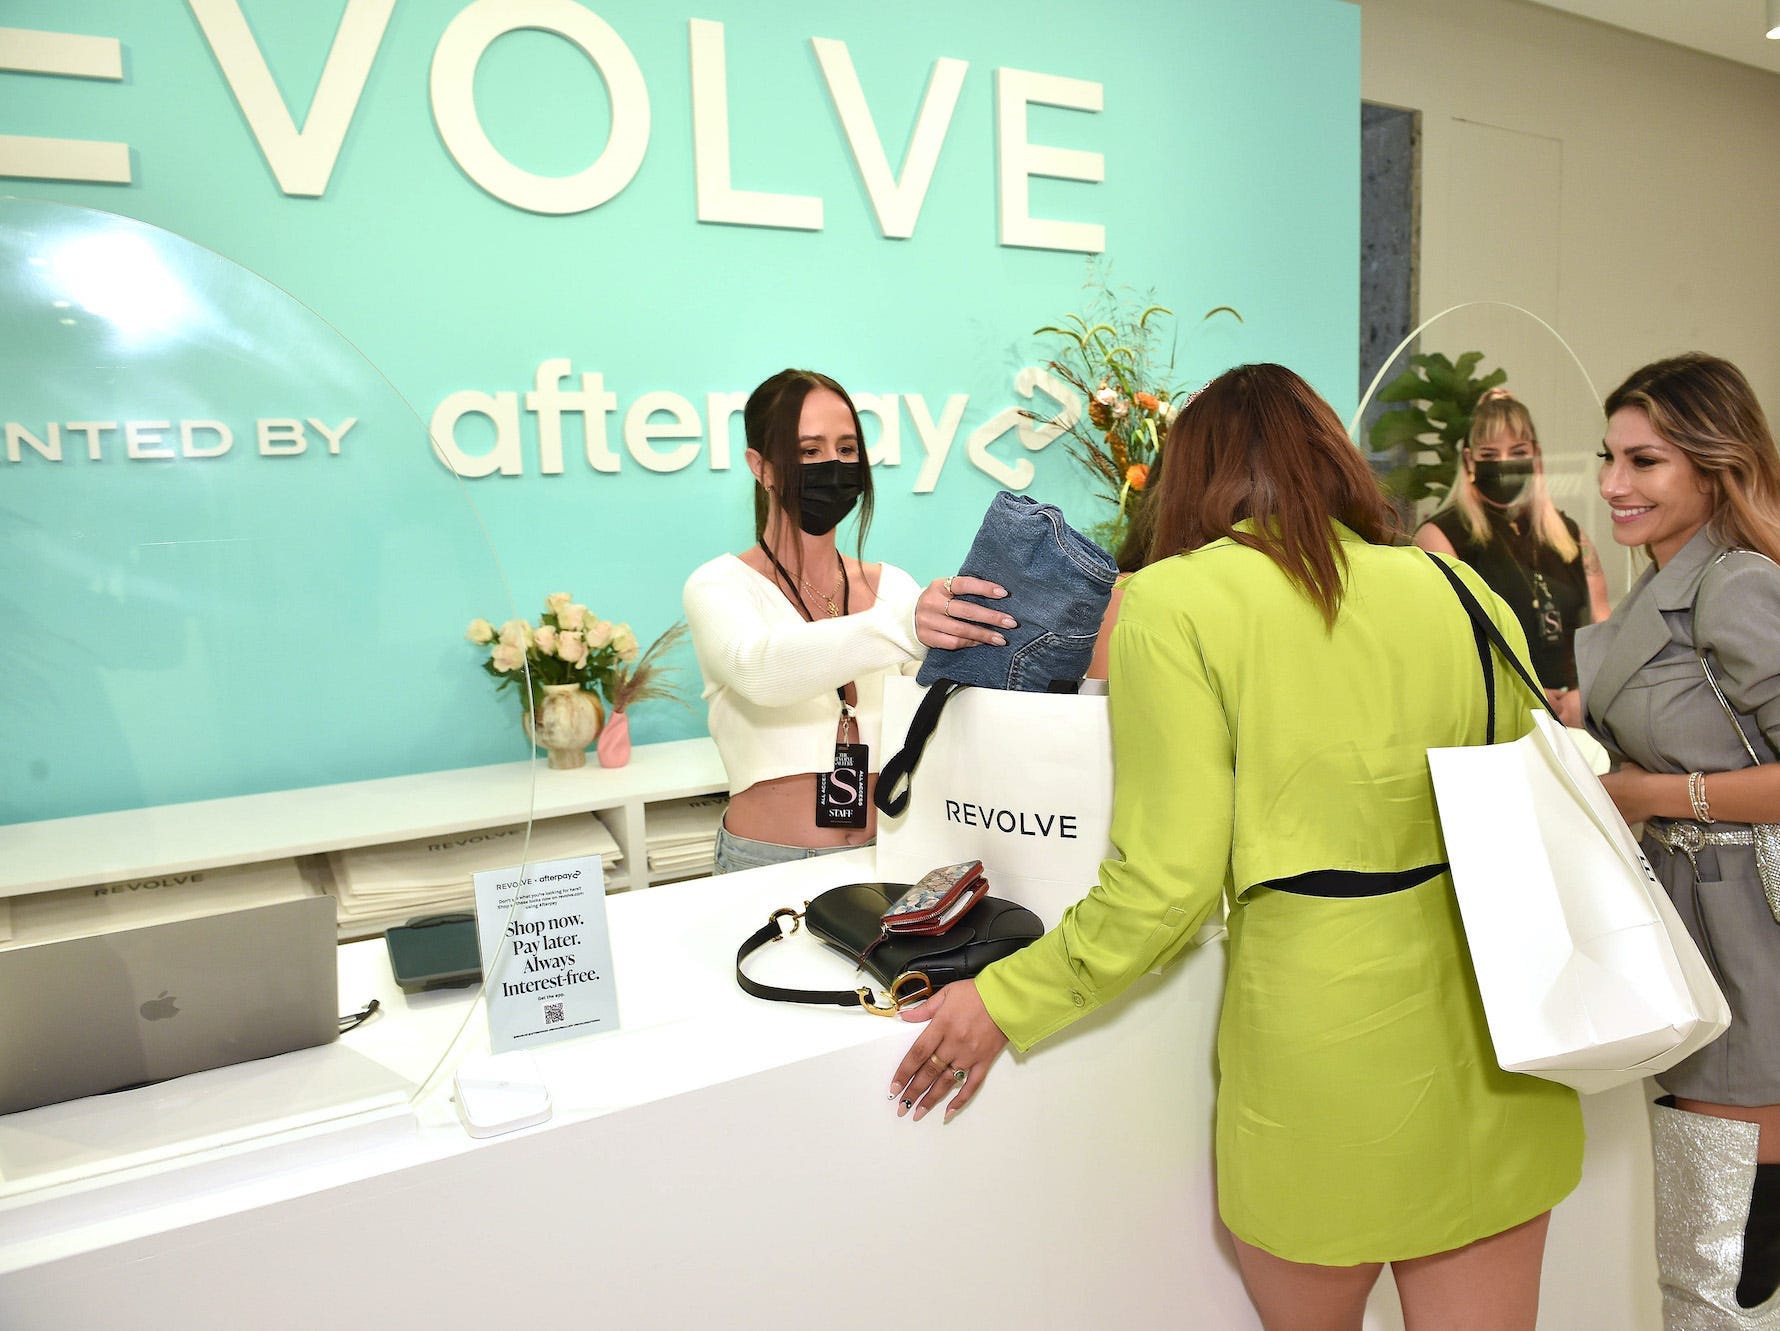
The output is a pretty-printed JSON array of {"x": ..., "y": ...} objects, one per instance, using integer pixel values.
[{"x": 834, "y": 611}]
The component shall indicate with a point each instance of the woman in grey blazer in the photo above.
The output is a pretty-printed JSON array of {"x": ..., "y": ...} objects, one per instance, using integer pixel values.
[{"x": 1690, "y": 471}]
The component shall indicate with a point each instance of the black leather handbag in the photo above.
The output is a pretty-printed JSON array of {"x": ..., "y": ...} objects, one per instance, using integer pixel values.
[{"x": 909, "y": 967}]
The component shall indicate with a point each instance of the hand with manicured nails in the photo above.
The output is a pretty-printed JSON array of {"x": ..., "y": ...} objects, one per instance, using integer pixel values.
[
  {"x": 959, "y": 1036},
  {"x": 942, "y": 620}
]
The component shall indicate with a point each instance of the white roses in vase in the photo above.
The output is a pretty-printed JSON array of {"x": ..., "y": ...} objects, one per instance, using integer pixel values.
[
  {"x": 571, "y": 646},
  {"x": 568, "y": 645}
]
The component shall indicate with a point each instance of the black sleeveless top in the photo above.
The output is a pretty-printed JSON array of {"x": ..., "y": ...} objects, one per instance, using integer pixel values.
[{"x": 1548, "y": 596}]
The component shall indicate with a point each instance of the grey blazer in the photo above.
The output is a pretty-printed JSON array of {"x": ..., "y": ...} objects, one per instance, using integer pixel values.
[
  {"x": 1645, "y": 698},
  {"x": 1642, "y": 691}
]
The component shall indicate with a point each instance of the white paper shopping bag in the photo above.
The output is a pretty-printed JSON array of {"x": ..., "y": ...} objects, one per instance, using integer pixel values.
[
  {"x": 1021, "y": 781},
  {"x": 1587, "y": 975}
]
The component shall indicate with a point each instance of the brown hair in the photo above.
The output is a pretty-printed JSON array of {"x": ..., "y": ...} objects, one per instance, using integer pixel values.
[
  {"x": 1704, "y": 406},
  {"x": 770, "y": 421},
  {"x": 1257, "y": 442}
]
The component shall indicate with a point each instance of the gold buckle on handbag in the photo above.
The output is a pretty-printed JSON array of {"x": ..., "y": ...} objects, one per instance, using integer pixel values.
[{"x": 898, "y": 1000}]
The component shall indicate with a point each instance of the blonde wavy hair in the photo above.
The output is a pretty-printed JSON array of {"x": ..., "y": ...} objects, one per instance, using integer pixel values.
[
  {"x": 1500, "y": 415},
  {"x": 1704, "y": 406}
]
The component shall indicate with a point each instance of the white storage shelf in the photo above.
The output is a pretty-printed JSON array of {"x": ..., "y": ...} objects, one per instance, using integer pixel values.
[{"x": 178, "y": 838}]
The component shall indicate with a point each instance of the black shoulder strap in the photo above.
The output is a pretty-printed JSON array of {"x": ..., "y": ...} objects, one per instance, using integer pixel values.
[
  {"x": 1484, "y": 631},
  {"x": 770, "y": 932},
  {"x": 900, "y": 769}
]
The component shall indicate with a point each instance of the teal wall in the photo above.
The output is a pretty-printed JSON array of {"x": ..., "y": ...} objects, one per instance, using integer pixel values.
[{"x": 1230, "y": 141}]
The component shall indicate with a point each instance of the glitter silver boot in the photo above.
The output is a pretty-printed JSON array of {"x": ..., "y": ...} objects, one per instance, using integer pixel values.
[{"x": 1705, "y": 1171}]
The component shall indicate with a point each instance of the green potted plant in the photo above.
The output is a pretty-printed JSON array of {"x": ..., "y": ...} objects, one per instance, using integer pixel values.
[{"x": 1442, "y": 395}]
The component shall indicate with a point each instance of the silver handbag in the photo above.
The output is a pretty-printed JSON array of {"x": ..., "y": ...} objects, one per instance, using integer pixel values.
[{"x": 1766, "y": 835}]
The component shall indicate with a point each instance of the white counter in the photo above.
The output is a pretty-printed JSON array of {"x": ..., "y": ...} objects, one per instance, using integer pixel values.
[{"x": 720, "y": 1160}]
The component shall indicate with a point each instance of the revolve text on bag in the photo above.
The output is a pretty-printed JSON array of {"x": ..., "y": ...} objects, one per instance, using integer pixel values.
[{"x": 1024, "y": 822}]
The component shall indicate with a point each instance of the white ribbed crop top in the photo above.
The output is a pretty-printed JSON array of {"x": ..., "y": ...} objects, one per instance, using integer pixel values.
[{"x": 770, "y": 675}]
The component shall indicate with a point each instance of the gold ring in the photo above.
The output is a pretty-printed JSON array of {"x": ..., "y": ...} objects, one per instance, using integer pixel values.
[
  {"x": 948, "y": 589},
  {"x": 938, "y": 1062},
  {"x": 949, "y": 601}
]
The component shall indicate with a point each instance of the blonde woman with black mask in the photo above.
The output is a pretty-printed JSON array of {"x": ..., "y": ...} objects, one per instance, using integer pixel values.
[
  {"x": 1500, "y": 520},
  {"x": 1689, "y": 470}
]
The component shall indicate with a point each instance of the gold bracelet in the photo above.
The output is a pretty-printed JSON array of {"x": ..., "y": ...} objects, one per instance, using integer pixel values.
[{"x": 1696, "y": 796}]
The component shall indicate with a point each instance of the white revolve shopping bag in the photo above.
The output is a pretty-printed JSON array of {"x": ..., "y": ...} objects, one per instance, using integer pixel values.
[
  {"x": 1587, "y": 975},
  {"x": 1021, "y": 781}
]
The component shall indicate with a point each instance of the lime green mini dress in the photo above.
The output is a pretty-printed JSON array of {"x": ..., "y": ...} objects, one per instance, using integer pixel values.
[{"x": 1361, "y": 1115}]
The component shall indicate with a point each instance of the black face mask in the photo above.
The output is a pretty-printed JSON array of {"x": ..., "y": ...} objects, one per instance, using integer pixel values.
[
  {"x": 830, "y": 489},
  {"x": 1503, "y": 482}
]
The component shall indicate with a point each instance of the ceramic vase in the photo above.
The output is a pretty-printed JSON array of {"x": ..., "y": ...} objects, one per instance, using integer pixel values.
[
  {"x": 564, "y": 723},
  {"x": 614, "y": 743}
]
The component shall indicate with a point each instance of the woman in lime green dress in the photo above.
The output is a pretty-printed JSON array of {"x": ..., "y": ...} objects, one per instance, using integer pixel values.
[{"x": 1278, "y": 674}]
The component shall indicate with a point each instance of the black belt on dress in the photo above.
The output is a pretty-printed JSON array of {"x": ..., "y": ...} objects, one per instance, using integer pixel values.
[{"x": 1354, "y": 882}]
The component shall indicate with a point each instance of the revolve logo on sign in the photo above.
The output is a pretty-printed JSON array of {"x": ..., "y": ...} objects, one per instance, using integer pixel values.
[
  {"x": 302, "y": 159},
  {"x": 1021, "y": 822}
]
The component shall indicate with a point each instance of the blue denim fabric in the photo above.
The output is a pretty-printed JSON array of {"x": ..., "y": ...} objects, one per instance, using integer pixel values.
[
  {"x": 735, "y": 853},
  {"x": 1058, "y": 583}
]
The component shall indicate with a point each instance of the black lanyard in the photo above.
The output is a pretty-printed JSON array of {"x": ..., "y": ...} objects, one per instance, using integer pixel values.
[
  {"x": 1547, "y": 616},
  {"x": 840, "y": 791},
  {"x": 797, "y": 600}
]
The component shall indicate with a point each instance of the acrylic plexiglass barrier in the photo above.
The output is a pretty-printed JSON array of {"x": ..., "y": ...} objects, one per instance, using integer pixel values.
[
  {"x": 231, "y": 566},
  {"x": 1543, "y": 373}
]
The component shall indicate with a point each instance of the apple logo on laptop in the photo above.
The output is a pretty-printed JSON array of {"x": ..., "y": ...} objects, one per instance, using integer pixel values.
[{"x": 159, "y": 1009}]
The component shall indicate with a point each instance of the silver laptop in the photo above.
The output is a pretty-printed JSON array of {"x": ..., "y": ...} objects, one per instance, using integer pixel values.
[{"x": 130, "y": 983}]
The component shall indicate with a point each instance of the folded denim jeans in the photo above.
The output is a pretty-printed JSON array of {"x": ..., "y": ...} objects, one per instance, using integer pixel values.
[{"x": 1058, "y": 584}]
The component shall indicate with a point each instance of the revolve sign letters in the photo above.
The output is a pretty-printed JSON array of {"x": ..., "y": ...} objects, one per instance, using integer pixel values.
[{"x": 302, "y": 159}]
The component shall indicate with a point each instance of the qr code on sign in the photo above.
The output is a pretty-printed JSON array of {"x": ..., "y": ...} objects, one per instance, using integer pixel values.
[{"x": 552, "y": 1014}]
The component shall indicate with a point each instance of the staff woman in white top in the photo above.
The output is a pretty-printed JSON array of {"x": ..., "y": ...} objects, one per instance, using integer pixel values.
[{"x": 794, "y": 638}]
